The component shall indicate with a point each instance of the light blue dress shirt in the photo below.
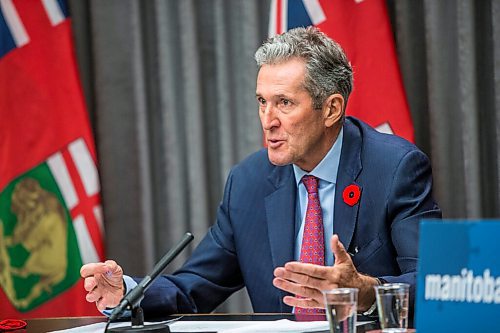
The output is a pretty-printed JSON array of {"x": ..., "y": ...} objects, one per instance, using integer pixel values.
[{"x": 326, "y": 171}]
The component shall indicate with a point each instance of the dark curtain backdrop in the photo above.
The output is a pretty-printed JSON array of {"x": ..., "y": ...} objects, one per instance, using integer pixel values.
[{"x": 170, "y": 89}]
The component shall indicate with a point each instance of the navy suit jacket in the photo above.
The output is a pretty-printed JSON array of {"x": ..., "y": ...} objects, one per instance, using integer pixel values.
[{"x": 255, "y": 228}]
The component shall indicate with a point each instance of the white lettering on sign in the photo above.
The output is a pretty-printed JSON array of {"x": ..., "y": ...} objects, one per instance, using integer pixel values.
[{"x": 465, "y": 287}]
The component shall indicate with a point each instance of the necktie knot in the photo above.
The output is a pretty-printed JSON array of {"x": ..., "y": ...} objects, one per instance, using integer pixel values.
[{"x": 311, "y": 184}]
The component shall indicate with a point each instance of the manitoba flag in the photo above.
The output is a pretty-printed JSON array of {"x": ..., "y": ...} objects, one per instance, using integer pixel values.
[
  {"x": 363, "y": 30},
  {"x": 50, "y": 211}
]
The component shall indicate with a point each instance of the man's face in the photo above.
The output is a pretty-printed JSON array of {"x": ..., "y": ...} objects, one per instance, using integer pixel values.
[{"x": 294, "y": 131}]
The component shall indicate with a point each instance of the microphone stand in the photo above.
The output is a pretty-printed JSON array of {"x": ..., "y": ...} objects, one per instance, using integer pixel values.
[{"x": 134, "y": 297}]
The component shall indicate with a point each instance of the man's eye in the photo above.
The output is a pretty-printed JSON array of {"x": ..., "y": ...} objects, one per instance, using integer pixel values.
[
  {"x": 286, "y": 102},
  {"x": 261, "y": 101}
]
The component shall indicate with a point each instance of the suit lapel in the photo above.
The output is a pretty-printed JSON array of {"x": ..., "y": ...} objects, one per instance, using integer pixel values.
[
  {"x": 345, "y": 216},
  {"x": 280, "y": 214}
]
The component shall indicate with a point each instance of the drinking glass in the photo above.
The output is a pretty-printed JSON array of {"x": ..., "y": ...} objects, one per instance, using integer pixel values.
[
  {"x": 341, "y": 309},
  {"x": 392, "y": 306}
]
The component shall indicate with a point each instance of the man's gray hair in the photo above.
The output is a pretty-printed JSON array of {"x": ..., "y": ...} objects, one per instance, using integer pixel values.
[{"x": 327, "y": 68}]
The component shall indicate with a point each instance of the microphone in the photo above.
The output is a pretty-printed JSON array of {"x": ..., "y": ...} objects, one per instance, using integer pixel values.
[{"x": 136, "y": 294}]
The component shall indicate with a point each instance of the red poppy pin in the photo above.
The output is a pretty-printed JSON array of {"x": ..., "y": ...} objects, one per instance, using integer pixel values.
[{"x": 351, "y": 194}]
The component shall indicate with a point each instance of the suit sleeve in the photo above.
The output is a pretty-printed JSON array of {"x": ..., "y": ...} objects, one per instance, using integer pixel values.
[
  {"x": 208, "y": 277},
  {"x": 409, "y": 201}
]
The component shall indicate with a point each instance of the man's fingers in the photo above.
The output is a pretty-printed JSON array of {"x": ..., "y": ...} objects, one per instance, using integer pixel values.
[
  {"x": 93, "y": 296},
  {"x": 92, "y": 269},
  {"x": 114, "y": 273},
  {"x": 89, "y": 283},
  {"x": 304, "y": 279},
  {"x": 296, "y": 289},
  {"x": 339, "y": 250},
  {"x": 101, "y": 305},
  {"x": 312, "y": 270},
  {"x": 113, "y": 267},
  {"x": 301, "y": 302},
  {"x": 111, "y": 299},
  {"x": 109, "y": 266},
  {"x": 290, "y": 287}
]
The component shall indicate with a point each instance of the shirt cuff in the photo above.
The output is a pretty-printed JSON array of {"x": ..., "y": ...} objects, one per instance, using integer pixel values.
[
  {"x": 129, "y": 283},
  {"x": 371, "y": 310}
]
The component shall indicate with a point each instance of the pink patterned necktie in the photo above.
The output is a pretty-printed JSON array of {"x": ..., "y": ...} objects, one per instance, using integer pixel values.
[{"x": 313, "y": 241}]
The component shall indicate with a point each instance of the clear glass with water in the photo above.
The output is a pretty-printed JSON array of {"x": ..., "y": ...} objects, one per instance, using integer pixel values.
[
  {"x": 392, "y": 305},
  {"x": 341, "y": 308}
]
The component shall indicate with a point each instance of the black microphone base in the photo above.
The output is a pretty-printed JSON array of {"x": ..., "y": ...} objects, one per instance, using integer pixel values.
[{"x": 160, "y": 328}]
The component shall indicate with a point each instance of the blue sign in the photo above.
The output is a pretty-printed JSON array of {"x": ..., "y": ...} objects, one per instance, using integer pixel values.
[{"x": 458, "y": 283}]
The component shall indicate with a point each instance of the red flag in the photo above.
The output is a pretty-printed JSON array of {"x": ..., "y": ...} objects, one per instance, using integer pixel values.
[
  {"x": 50, "y": 212},
  {"x": 363, "y": 29}
]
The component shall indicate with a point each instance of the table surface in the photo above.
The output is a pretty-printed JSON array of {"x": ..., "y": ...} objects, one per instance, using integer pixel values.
[{"x": 51, "y": 324}]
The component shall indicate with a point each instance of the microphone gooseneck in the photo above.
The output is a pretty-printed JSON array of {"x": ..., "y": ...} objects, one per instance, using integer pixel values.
[{"x": 136, "y": 294}]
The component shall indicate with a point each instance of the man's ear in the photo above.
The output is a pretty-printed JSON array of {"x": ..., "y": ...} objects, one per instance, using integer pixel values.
[{"x": 333, "y": 109}]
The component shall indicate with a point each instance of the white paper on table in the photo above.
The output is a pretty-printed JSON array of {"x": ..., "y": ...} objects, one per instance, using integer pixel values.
[
  {"x": 99, "y": 327},
  {"x": 284, "y": 325},
  {"x": 223, "y": 326}
]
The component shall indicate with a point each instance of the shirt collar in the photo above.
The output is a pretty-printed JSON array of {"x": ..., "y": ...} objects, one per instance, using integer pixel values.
[{"x": 328, "y": 167}]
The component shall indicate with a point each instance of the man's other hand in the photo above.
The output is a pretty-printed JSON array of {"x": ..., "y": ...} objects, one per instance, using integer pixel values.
[
  {"x": 308, "y": 280},
  {"x": 104, "y": 283}
]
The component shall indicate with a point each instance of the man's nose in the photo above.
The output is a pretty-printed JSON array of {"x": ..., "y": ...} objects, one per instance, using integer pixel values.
[{"x": 269, "y": 118}]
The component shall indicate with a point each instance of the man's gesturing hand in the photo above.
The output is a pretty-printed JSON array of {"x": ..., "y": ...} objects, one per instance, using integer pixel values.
[
  {"x": 308, "y": 280},
  {"x": 104, "y": 283}
]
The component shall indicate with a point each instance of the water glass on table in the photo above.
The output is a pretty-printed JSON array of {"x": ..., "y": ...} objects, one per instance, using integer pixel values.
[
  {"x": 392, "y": 306},
  {"x": 341, "y": 309}
]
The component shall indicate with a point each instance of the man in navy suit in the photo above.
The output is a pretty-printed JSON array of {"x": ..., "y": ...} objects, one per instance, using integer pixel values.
[{"x": 373, "y": 190}]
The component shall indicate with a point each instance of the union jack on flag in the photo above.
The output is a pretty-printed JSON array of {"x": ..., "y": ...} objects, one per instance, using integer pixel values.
[{"x": 363, "y": 29}]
